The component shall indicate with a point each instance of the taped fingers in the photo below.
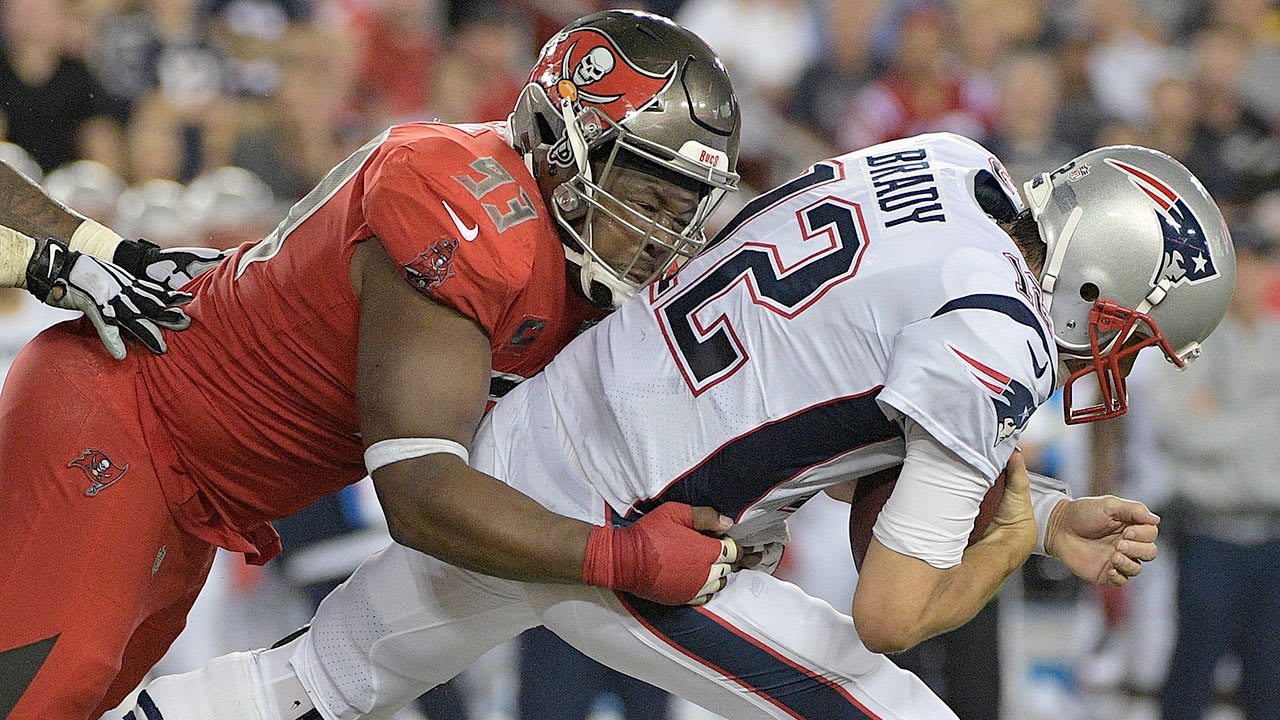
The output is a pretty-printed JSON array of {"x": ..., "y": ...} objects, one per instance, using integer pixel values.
[
  {"x": 716, "y": 580},
  {"x": 733, "y": 556},
  {"x": 730, "y": 550},
  {"x": 667, "y": 556}
]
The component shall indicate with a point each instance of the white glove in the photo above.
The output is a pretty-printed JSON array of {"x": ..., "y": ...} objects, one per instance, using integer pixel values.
[
  {"x": 111, "y": 298},
  {"x": 171, "y": 267}
]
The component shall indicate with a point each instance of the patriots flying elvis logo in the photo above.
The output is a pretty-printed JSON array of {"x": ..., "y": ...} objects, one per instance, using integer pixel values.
[
  {"x": 1012, "y": 400},
  {"x": 1186, "y": 251}
]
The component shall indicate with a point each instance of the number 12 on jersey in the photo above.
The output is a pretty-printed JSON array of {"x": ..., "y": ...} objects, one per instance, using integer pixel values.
[{"x": 701, "y": 337}]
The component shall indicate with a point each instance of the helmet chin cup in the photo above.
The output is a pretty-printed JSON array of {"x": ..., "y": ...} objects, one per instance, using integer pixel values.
[
  {"x": 597, "y": 282},
  {"x": 1111, "y": 389},
  {"x": 1107, "y": 363}
]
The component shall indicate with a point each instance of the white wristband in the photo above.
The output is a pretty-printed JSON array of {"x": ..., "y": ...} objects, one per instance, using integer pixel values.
[
  {"x": 16, "y": 250},
  {"x": 385, "y": 452},
  {"x": 1046, "y": 493},
  {"x": 93, "y": 238}
]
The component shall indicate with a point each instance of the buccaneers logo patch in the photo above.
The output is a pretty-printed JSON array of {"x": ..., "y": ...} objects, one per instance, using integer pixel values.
[
  {"x": 431, "y": 268},
  {"x": 101, "y": 471}
]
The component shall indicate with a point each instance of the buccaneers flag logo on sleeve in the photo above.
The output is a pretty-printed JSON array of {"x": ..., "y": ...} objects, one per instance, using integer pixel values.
[
  {"x": 431, "y": 268},
  {"x": 101, "y": 471}
]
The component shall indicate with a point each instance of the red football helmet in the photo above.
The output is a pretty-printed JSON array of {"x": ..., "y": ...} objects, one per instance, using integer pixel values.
[{"x": 626, "y": 89}]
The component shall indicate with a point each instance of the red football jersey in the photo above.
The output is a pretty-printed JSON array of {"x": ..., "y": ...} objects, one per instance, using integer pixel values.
[{"x": 255, "y": 407}]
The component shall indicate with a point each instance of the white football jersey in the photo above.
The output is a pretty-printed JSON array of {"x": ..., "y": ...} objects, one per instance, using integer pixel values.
[{"x": 777, "y": 363}]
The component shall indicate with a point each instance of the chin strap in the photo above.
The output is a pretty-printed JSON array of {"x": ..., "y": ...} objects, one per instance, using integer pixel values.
[
  {"x": 594, "y": 284},
  {"x": 576, "y": 141},
  {"x": 1049, "y": 278},
  {"x": 601, "y": 289}
]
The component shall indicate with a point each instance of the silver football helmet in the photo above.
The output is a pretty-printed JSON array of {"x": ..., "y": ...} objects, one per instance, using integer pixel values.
[
  {"x": 627, "y": 89},
  {"x": 1137, "y": 254}
]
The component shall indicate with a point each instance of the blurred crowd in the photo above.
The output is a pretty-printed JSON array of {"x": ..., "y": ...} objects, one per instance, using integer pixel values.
[{"x": 199, "y": 121}]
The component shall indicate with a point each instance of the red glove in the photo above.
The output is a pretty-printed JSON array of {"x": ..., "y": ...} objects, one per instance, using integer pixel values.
[{"x": 661, "y": 558}]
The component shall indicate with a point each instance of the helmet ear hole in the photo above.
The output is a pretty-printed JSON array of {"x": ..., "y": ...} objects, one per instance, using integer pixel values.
[{"x": 1089, "y": 292}]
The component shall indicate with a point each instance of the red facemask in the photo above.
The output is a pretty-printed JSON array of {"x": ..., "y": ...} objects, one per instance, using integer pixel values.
[{"x": 1109, "y": 367}]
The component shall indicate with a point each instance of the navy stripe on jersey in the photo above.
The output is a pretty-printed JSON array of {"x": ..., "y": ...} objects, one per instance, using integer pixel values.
[
  {"x": 818, "y": 174},
  {"x": 714, "y": 642},
  {"x": 745, "y": 469},
  {"x": 1005, "y": 305},
  {"x": 149, "y": 707}
]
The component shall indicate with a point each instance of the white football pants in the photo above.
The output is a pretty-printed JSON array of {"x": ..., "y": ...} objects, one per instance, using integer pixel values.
[{"x": 761, "y": 648}]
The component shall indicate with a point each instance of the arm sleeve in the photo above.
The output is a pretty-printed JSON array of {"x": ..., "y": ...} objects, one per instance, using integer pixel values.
[
  {"x": 934, "y": 502},
  {"x": 405, "y": 206},
  {"x": 931, "y": 511},
  {"x": 1046, "y": 493}
]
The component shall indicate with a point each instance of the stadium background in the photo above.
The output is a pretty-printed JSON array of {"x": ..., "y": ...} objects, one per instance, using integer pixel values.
[{"x": 200, "y": 121}]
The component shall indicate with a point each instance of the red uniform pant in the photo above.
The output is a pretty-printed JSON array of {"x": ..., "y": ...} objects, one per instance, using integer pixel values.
[{"x": 95, "y": 577}]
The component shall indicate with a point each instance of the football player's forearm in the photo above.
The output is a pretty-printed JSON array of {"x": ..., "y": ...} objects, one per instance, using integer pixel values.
[
  {"x": 16, "y": 251},
  {"x": 30, "y": 211},
  {"x": 902, "y": 600},
  {"x": 474, "y": 521},
  {"x": 982, "y": 570}
]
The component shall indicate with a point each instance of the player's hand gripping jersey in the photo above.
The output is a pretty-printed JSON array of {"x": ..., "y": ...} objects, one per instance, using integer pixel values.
[
  {"x": 786, "y": 353},
  {"x": 260, "y": 403}
]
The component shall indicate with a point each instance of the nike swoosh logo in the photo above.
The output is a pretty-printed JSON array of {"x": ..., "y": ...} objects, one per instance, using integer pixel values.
[
  {"x": 468, "y": 233},
  {"x": 1039, "y": 369},
  {"x": 53, "y": 253}
]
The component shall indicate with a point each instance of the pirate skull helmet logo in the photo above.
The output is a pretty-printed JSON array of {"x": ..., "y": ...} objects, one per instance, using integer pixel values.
[{"x": 593, "y": 66}]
